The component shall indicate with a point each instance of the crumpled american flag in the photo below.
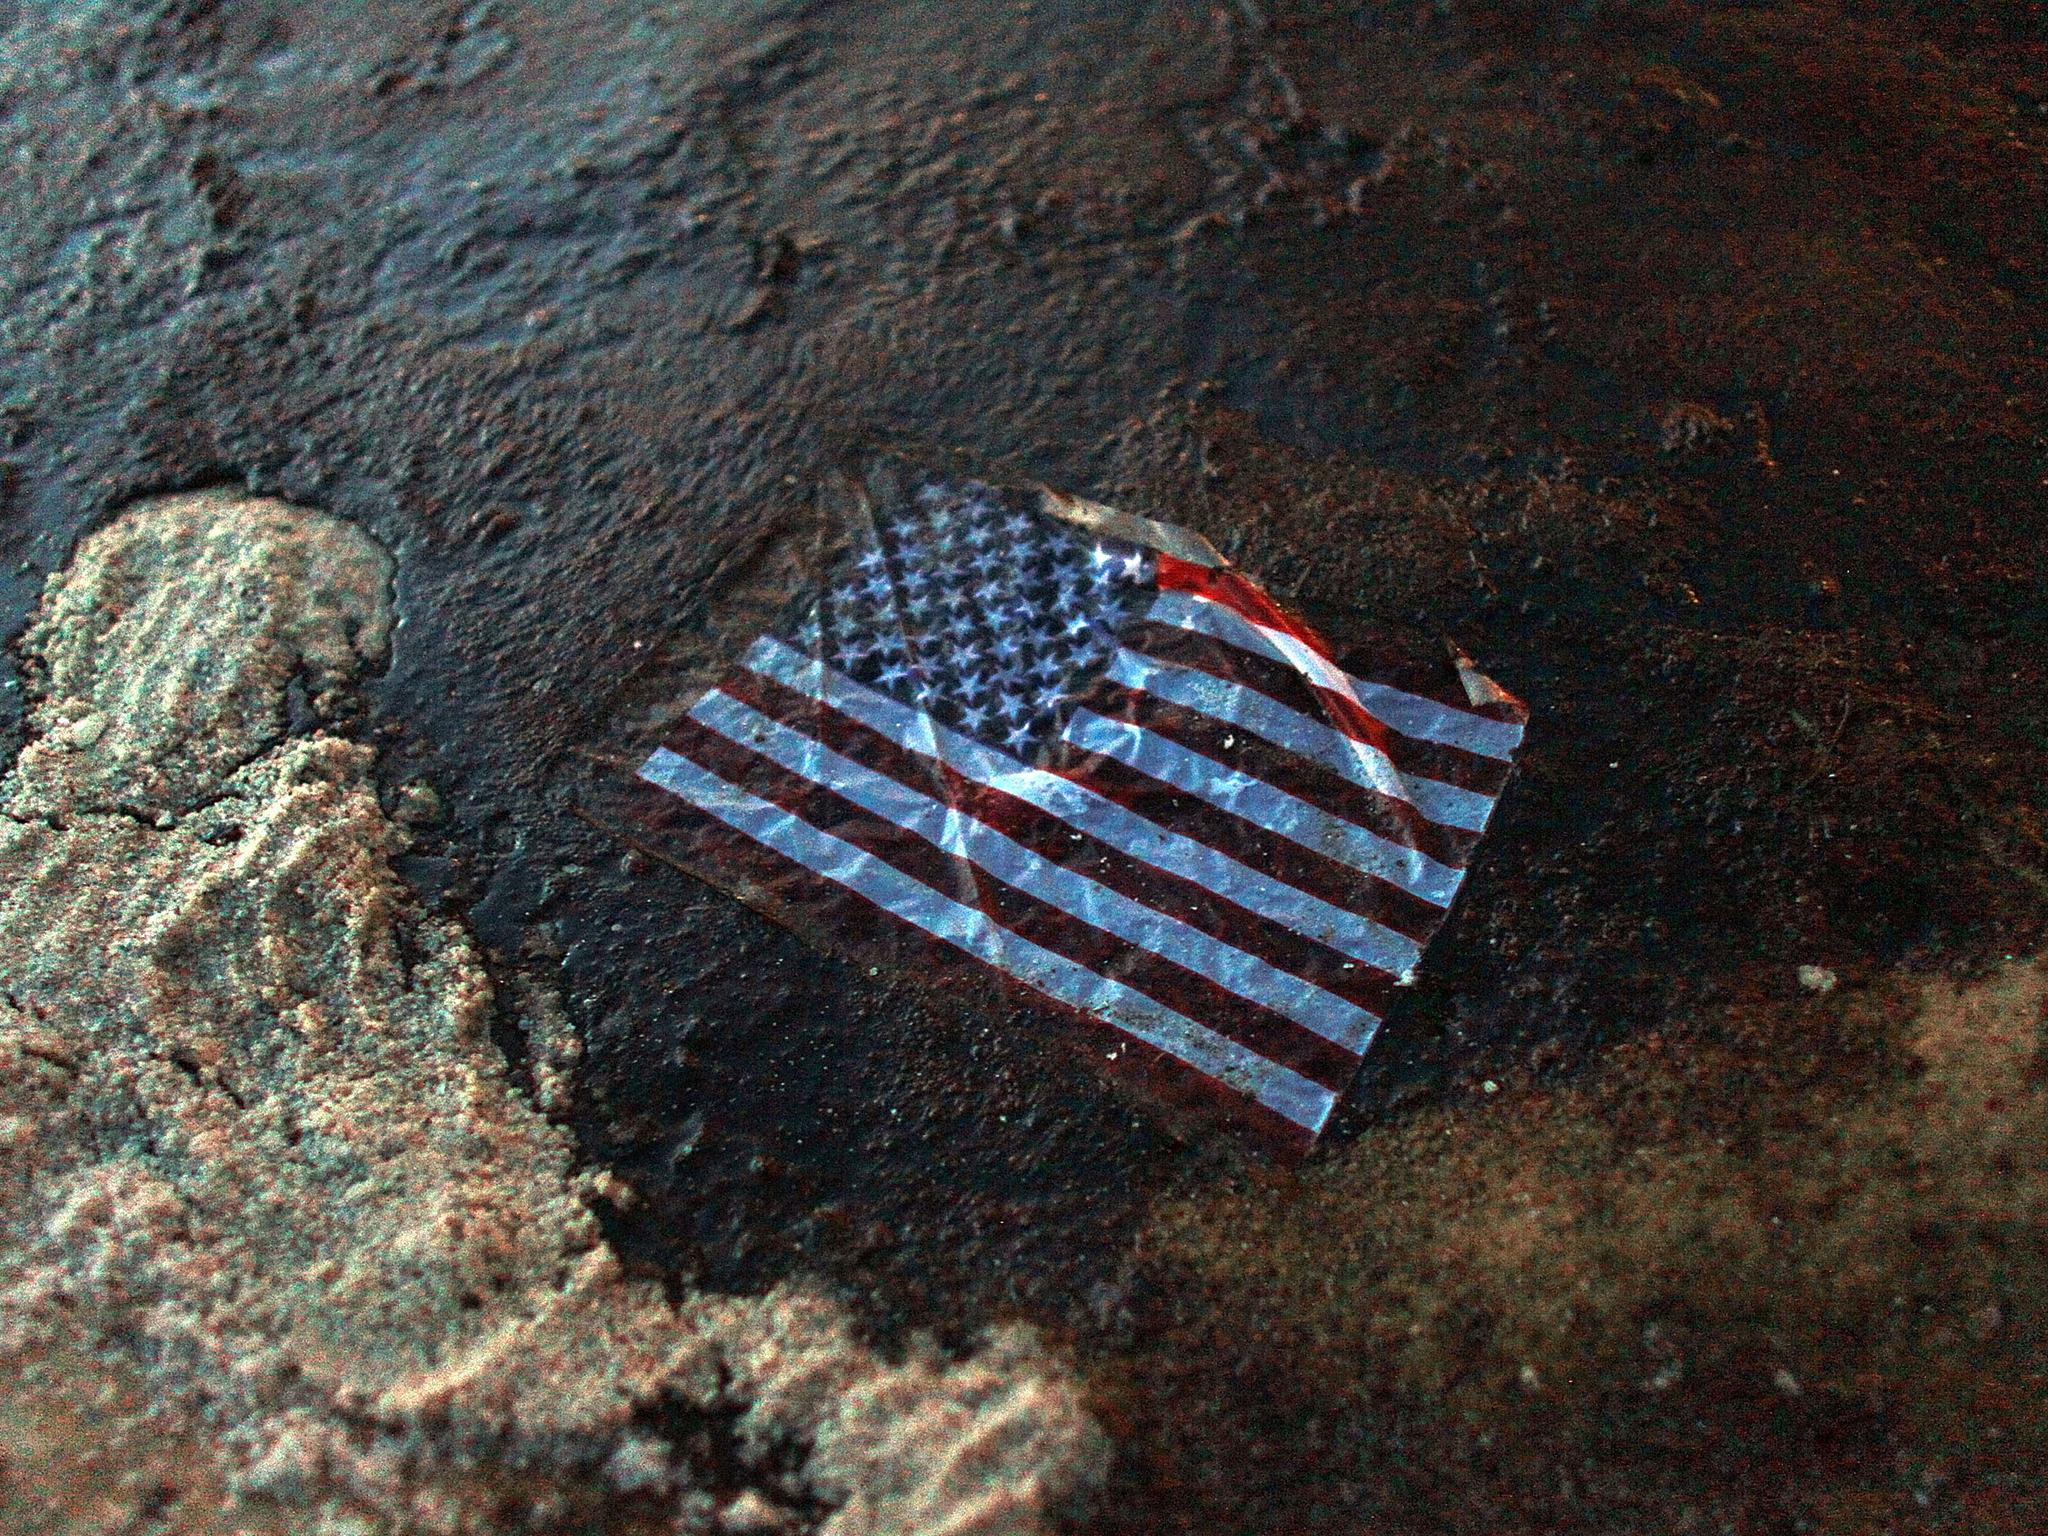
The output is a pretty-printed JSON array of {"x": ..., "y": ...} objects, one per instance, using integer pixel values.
[{"x": 1027, "y": 740}]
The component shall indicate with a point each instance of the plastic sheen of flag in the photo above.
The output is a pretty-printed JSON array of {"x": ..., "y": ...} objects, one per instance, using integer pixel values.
[{"x": 1030, "y": 745}]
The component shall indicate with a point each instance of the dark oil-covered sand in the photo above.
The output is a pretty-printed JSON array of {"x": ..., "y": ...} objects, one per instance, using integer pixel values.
[{"x": 1683, "y": 362}]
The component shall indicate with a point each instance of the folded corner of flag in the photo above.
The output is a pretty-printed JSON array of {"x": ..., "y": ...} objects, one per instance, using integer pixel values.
[{"x": 1028, "y": 740}]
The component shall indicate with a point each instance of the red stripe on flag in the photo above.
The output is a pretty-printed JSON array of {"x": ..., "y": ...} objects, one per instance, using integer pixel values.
[
  {"x": 1303, "y": 777},
  {"x": 1246, "y": 600},
  {"x": 1227, "y": 587},
  {"x": 1286, "y": 684},
  {"x": 1271, "y": 1035},
  {"x": 1282, "y": 858},
  {"x": 860, "y": 932},
  {"x": 1250, "y": 601},
  {"x": 1058, "y": 843}
]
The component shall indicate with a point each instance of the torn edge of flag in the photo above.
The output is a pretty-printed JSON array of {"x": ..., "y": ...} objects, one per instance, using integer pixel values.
[{"x": 1029, "y": 745}]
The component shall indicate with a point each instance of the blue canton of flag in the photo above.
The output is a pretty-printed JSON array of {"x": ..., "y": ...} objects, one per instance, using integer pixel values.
[
  {"x": 987, "y": 619},
  {"x": 1030, "y": 739}
]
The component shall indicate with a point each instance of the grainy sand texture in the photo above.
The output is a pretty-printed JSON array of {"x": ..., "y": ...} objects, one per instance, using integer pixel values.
[
  {"x": 282, "y": 1246},
  {"x": 1779, "y": 1274}
]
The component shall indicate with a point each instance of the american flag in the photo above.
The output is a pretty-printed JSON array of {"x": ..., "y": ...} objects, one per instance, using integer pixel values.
[{"x": 1027, "y": 739}]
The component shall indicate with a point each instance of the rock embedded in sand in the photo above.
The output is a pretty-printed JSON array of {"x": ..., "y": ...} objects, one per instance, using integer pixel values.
[
  {"x": 266, "y": 1165},
  {"x": 1817, "y": 978}
]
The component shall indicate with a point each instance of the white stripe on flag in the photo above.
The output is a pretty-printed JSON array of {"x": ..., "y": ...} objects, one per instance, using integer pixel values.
[
  {"x": 1082, "y": 808},
  {"x": 1345, "y": 755},
  {"x": 1408, "y": 713},
  {"x": 1256, "y": 801},
  {"x": 1305, "y": 1103},
  {"x": 1087, "y": 901}
]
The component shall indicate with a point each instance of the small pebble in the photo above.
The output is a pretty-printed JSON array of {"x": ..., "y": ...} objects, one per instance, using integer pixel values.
[
  {"x": 640, "y": 1465},
  {"x": 752, "y": 1515},
  {"x": 85, "y": 731}
]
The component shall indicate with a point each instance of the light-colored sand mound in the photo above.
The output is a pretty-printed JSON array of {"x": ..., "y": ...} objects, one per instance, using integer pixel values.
[
  {"x": 1817, "y": 1237},
  {"x": 272, "y": 1214}
]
